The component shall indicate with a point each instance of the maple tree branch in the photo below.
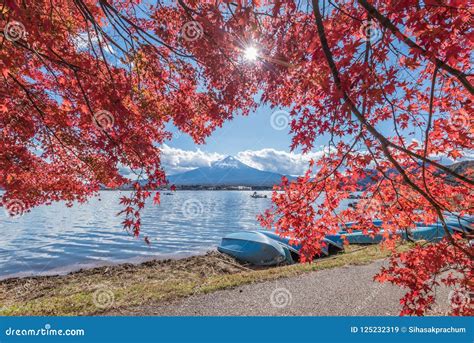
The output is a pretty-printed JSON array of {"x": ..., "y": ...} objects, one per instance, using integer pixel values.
[
  {"x": 344, "y": 12},
  {"x": 428, "y": 126},
  {"x": 384, "y": 142},
  {"x": 48, "y": 128},
  {"x": 143, "y": 33},
  {"x": 327, "y": 175},
  {"x": 385, "y": 22},
  {"x": 364, "y": 121}
]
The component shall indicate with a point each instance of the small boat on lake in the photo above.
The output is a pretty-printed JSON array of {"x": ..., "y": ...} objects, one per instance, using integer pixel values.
[
  {"x": 352, "y": 204},
  {"x": 254, "y": 248},
  {"x": 258, "y": 196},
  {"x": 357, "y": 196}
]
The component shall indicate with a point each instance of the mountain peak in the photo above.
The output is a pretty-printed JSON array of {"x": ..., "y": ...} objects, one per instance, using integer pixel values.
[
  {"x": 228, "y": 162},
  {"x": 228, "y": 172}
]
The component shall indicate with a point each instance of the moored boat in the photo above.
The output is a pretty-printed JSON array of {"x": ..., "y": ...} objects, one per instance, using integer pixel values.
[
  {"x": 254, "y": 248},
  {"x": 255, "y": 195},
  {"x": 266, "y": 248},
  {"x": 292, "y": 250},
  {"x": 258, "y": 196},
  {"x": 331, "y": 245},
  {"x": 462, "y": 224},
  {"x": 357, "y": 237},
  {"x": 432, "y": 233}
]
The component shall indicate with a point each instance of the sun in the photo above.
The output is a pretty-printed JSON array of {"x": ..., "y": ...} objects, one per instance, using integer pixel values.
[{"x": 251, "y": 53}]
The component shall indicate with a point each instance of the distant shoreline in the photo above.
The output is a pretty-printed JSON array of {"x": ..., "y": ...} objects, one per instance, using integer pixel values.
[{"x": 200, "y": 188}]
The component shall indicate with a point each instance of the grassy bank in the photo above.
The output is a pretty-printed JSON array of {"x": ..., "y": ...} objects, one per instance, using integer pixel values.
[{"x": 109, "y": 289}]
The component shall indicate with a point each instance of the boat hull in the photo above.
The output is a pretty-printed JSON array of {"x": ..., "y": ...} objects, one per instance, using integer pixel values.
[
  {"x": 432, "y": 233},
  {"x": 460, "y": 224},
  {"x": 336, "y": 244},
  {"x": 357, "y": 237},
  {"x": 254, "y": 248}
]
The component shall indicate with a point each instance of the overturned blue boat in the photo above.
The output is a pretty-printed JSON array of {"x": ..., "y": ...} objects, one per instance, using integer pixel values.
[
  {"x": 330, "y": 245},
  {"x": 460, "y": 224},
  {"x": 428, "y": 232},
  {"x": 265, "y": 248},
  {"x": 254, "y": 248},
  {"x": 432, "y": 233}
]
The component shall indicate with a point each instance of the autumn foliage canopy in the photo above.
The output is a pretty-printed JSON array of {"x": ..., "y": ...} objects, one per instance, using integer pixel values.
[{"x": 90, "y": 86}]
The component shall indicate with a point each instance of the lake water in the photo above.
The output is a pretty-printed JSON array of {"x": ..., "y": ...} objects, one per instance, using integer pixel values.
[{"x": 56, "y": 239}]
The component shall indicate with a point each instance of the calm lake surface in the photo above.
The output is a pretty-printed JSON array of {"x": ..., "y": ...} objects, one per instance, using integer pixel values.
[{"x": 57, "y": 239}]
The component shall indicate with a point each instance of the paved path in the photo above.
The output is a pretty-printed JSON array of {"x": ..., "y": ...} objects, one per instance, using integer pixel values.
[{"x": 331, "y": 292}]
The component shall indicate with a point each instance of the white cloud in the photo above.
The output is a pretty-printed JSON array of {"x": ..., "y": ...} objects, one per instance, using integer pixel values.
[
  {"x": 287, "y": 163},
  {"x": 443, "y": 158},
  {"x": 178, "y": 161},
  {"x": 84, "y": 41}
]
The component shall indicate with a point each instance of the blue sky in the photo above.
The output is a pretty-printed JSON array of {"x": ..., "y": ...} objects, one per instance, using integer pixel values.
[
  {"x": 252, "y": 132},
  {"x": 258, "y": 140},
  {"x": 254, "y": 141},
  {"x": 261, "y": 140}
]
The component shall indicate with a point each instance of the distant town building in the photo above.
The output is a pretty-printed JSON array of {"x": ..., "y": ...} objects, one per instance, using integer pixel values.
[{"x": 239, "y": 188}]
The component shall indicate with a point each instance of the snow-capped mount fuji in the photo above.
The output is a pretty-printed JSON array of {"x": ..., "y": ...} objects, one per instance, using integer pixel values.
[
  {"x": 226, "y": 172},
  {"x": 229, "y": 162}
]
